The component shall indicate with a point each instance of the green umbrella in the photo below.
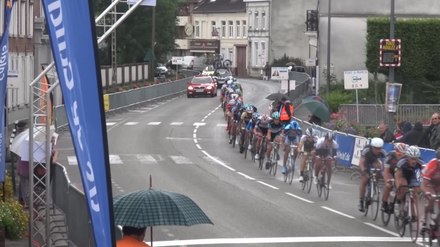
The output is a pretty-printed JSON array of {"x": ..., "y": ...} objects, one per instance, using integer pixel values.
[
  {"x": 150, "y": 207},
  {"x": 316, "y": 107}
]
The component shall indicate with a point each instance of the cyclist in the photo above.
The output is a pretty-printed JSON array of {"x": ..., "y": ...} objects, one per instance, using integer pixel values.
[
  {"x": 245, "y": 118},
  {"x": 306, "y": 146},
  {"x": 273, "y": 134},
  {"x": 431, "y": 181},
  {"x": 260, "y": 130},
  {"x": 388, "y": 173},
  {"x": 408, "y": 172},
  {"x": 250, "y": 127},
  {"x": 371, "y": 156},
  {"x": 292, "y": 132},
  {"x": 326, "y": 147}
]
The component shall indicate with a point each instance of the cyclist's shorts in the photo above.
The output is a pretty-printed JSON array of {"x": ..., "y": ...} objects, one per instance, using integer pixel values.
[
  {"x": 273, "y": 135},
  {"x": 288, "y": 141},
  {"x": 414, "y": 182},
  {"x": 262, "y": 130}
]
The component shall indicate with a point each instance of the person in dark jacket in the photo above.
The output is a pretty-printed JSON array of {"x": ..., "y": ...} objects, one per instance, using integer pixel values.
[
  {"x": 385, "y": 133},
  {"x": 414, "y": 136}
]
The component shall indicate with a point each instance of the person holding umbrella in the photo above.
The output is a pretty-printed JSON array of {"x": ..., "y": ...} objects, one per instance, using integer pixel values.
[{"x": 132, "y": 237}]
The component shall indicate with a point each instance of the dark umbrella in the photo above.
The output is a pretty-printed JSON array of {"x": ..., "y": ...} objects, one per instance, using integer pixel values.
[
  {"x": 276, "y": 96},
  {"x": 317, "y": 108},
  {"x": 152, "y": 207}
]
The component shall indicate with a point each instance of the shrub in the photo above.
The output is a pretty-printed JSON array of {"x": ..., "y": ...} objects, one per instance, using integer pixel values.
[{"x": 337, "y": 97}]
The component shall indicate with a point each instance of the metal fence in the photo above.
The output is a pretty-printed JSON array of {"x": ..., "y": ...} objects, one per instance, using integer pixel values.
[{"x": 371, "y": 115}]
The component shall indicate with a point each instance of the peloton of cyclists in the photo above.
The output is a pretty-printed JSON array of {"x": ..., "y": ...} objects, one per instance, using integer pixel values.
[
  {"x": 371, "y": 157},
  {"x": 388, "y": 173}
]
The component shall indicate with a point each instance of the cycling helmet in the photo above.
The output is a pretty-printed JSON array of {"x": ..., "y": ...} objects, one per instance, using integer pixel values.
[
  {"x": 400, "y": 147},
  {"x": 255, "y": 115},
  {"x": 294, "y": 125},
  {"x": 413, "y": 152},
  {"x": 329, "y": 136},
  {"x": 276, "y": 115},
  {"x": 249, "y": 109},
  {"x": 309, "y": 132},
  {"x": 376, "y": 142}
]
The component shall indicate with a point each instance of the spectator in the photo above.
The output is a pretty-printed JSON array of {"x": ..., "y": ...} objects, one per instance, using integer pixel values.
[
  {"x": 398, "y": 133},
  {"x": 414, "y": 137},
  {"x": 432, "y": 134},
  {"x": 267, "y": 71},
  {"x": 132, "y": 237},
  {"x": 23, "y": 172},
  {"x": 385, "y": 133}
]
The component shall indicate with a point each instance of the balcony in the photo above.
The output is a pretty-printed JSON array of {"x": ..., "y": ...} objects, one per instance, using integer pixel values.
[
  {"x": 182, "y": 20},
  {"x": 182, "y": 44}
]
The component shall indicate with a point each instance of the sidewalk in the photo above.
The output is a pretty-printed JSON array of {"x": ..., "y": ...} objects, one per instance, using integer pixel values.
[{"x": 19, "y": 243}]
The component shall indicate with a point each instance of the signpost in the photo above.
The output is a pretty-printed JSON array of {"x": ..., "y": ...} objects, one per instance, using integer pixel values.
[
  {"x": 281, "y": 74},
  {"x": 357, "y": 79},
  {"x": 177, "y": 61}
]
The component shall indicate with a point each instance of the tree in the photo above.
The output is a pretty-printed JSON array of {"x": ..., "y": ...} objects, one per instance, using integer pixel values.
[{"x": 134, "y": 34}]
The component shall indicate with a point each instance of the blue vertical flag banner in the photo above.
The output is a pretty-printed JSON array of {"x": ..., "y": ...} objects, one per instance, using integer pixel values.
[
  {"x": 74, "y": 48},
  {"x": 4, "y": 54},
  {"x": 346, "y": 147}
]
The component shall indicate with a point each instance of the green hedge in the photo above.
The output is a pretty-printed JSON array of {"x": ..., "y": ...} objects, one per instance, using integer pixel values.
[{"x": 419, "y": 71}]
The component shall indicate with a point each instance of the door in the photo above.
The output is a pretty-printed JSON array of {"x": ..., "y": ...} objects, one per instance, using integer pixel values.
[{"x": 241, "y": 61}]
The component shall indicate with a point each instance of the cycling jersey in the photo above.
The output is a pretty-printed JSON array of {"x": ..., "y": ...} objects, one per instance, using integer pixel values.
[
  {"x": 275, "y": 129},
  {"x": 391, "y": 161},
  {"x": 308, "y": 143},
  {"x": 410, "y": 173},
  {"x": 323, "y": 150},
  {"x": 432, "y": 173},
  {"x": 370, "y": 157}
]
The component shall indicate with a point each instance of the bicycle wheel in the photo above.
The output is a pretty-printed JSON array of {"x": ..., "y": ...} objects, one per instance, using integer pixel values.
[
  {"x": 291, "y": 162},
  {"x": 309, "y": 174},
  {"x": 386, "y": 216},
  {"x": 326, "y": 182},
  {"x": 246, "y": 144},
  {"x": 319, "y": 184},
  {"x": 375, "y": 201},
  {"x": 273, "y": 162},
  {"x": 413, "y": 219},
  {"x": 367, "y": 199},
  {"x": 399, "y": 220},
  {"x": 227, "y": 63}
]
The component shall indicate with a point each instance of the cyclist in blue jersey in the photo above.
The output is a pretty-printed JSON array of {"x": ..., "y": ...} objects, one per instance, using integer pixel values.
[{"x": 292, "y": 133}]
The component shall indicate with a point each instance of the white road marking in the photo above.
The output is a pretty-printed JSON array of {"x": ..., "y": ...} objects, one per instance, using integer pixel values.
[
  {"x": 230, "y": 241},
  {"x": 337, "y": 212},
  {"x": 198, "y": 146},
  {"x": 179, "y": 138},
  {"x": 176, "y": 123},
  {"x": 146, "y": 159},
  {"x": 382, "y": 229},
  {"x": 218, "y": 161},
  {"x": 115, "y": 159},
  {"x": 298, "y": 197},
  {"x": 181, "y": 160},
  {"x": 110, "y": 123},
  {"x": 154, "y": 123},
  {"x": 199, "y": 124},
  {"x": 72, "y": 160},
  {"x": 268, "y": 185},
  {"x": 221, "y": 125},
  {"x": 131, "y": 123},
  {"x": 246, "y": 176},
  {"x": 136, "y": 111}
]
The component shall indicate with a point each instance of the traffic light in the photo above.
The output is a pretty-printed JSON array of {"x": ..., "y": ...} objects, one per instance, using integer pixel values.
[{"x": 312, "y": 21}]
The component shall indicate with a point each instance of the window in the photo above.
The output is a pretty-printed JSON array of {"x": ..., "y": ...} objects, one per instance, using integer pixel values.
[
  {"x": 237, "y": 29},
  {"x": 244, "y": 27},
  {"x": 263, "y": 54},
  {"x": 230, "y": 53},
  {"x": 255, "y": 54},
  {"x": 231, "y": 29},
  {"x": 22, "y": 18},
  {"x": 213, "y": 26},
  {"x": 223, "y": 29},
  {"x": 30, "y": 20},
  {"x": 203, "y": 29},
  {"x": 223, "y": 52},
  {"x": 256, "y": 21},
  {"x": 263, "y": 20},
  {"x": 250, "y": 19},
  {"x": 197, "y": 29}
]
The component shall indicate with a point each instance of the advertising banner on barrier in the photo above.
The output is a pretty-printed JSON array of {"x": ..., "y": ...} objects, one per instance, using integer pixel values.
[
  {"x": 427, "y": 154},
  {"x": 74, "y": 48},
  {"x": 359, "y": 144},
  {"x": 345, "y": 151}
]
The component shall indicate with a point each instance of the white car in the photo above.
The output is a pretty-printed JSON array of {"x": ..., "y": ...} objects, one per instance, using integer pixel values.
[{"x": 209, "y": 70}]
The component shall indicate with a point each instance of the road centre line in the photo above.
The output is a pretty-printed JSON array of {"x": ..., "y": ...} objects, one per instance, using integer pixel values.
[
  {"x": 218, "y": 161},
  {"x": 198, "y": 146},
  {"x": 337, "y": 212},
  {"x": 298, "y": 197},
  {"x": 268, "y": 185},
  {"x": 382, "y": 229},
  {"x": 246, "y": 176},
  {"x": 332, "y": 239}
]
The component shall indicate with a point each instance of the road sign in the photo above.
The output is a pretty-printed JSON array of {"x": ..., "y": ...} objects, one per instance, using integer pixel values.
[
  {"x": 390, "y": 52},
  {"x": 357, "y": 79},
  {"x": 177, "y": 60},
  {"x": 280, "y": 73},
  {"x": 310, "y": 62}
]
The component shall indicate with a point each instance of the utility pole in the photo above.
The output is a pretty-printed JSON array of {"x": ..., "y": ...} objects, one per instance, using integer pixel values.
[
  {"x": 153, "y": 40},
  {"x": 328, "y": 44},
  {"x": 391, "y": 71}
]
